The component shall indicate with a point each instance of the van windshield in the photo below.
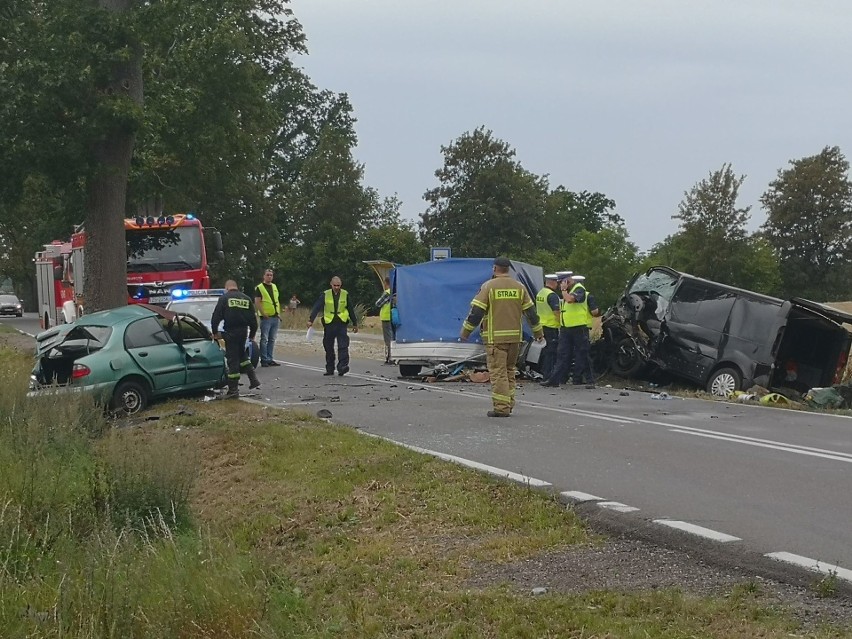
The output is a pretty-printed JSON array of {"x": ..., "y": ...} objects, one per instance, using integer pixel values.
[{"x": 660, "y": 282}]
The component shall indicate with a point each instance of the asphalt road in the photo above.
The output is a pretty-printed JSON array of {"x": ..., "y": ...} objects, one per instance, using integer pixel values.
[{"x": 743, "y": 478}]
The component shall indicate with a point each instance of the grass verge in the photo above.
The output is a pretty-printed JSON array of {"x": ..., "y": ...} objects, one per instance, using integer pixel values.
[{"x": 226, "y": 519}]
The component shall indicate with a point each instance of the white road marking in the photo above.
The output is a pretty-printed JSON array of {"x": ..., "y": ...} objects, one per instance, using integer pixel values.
[
  {"x": 694, "y": 529},
  {"x": 812, "y": 564},
  {"x": 617, "y": 506},
  {"x": 491, "y": 470},
  {"x": 790, "y": 448},
  {"x": 578, "y": 496}
]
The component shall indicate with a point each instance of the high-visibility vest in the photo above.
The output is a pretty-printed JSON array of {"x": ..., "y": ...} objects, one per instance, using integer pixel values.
[
  {"x": 574, "y": 314},
  {"x": 545, "y": 313},
  {"x": 342, "y": 308},
  {"x": 385, "y": 310},
  {"x": 269, "y": 306}
]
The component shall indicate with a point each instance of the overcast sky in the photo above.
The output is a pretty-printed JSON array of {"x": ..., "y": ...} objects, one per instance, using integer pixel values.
[{"x": 637, "y": 99}]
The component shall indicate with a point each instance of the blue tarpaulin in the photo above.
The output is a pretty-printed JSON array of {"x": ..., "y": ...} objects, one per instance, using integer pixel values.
[{"x": 433, "y": 298}]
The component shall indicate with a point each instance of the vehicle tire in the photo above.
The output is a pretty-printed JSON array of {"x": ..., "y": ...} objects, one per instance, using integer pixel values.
[
  {"x": 409, "y": 370},
  {"x": 601, "y": 360},
  {"x": 626, "y": 360},
  {"x": 130, "y": 397},
  {"x": 724, "y": 382}
]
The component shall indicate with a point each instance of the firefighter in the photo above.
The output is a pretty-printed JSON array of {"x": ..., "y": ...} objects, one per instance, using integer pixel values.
[
  {"x": 502, "y": 300},
  {"x": 547, "y": 306},
  {"x": 240, "y": 321}
]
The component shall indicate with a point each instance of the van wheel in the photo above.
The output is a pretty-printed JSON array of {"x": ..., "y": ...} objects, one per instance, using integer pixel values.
[
  {"x": 724, "y": 382},
  {"x": 409, "y": 370},
  {"x": 626, "y": 359},
  {"x": 130, "y": 397}
]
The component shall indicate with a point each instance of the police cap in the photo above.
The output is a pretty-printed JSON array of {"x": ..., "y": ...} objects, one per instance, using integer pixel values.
[{"x": 551, "y": 276}]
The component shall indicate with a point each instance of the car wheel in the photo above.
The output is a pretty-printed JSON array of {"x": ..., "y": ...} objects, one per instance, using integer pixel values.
[
  {"x": 724, "y": 382},
  {"x": 130, "y": 397},
  {"x": 409, "y": 370},
  {"x": 626, "y": 359}
]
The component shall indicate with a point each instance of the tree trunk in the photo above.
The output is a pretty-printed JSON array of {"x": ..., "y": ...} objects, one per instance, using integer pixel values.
[{"x": 105, "y": 284}]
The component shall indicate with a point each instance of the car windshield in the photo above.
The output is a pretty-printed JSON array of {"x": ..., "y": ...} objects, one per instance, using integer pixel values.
[
  {"x": 200, "y": 309},
  {"x": 8, "y": 299},
  {"x": 661, "y": 282}
]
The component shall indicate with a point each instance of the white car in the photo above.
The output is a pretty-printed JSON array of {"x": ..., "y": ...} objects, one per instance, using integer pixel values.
[{"x": 200, "y": 304}]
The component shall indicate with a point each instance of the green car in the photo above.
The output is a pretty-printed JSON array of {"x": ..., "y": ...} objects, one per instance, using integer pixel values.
[{"x": 127, "y": 356}]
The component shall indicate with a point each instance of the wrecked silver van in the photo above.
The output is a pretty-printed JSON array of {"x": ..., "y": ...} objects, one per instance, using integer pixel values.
[{"x": 721, "y": 337}]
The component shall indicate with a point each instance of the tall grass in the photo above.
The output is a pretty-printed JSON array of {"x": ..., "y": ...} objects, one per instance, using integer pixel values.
[{"x": 96, "y": 535}]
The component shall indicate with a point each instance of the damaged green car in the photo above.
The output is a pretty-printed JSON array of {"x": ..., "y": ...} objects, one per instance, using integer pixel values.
[{"x": 127, "y": 357}]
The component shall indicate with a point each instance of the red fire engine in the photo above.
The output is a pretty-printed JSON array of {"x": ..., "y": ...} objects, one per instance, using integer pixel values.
[{"x": 164, "y": 253}]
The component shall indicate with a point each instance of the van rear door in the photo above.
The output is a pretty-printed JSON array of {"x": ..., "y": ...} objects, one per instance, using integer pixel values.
[{"x": 812, "y": 346}]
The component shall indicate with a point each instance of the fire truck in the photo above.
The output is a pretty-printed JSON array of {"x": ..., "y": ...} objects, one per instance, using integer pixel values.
[{"x": 164, "y": 253}]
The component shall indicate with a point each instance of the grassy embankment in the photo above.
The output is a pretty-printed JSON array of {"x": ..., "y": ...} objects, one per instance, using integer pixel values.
[{"x": 225, "y": 519}]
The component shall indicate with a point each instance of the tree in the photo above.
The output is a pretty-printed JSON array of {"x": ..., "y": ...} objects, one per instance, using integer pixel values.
[
  {"x": 486, "y": 203},
  {"x": 567, "y": 213},
  {"x": 607, "y": 258},
  {"x": 206, "y": 138},
  {"x": 809, "y": 224},
  {"x": 712, "y": 228}
]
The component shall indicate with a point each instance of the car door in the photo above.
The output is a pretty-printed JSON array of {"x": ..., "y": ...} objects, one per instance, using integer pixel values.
[
  {"x": 695, "y": 327},
  {"x": 156, "y": 353},
  {"x": 205, "y": 361}
]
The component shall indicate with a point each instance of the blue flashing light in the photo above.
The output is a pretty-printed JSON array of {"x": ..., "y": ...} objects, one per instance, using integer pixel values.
[
  {"x": 182, "y": 293},
  {"x": 190, "y": 216}
]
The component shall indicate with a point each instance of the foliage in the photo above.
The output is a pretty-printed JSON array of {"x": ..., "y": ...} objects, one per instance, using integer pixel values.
[
  {"x": 568, "y": 213},
  {"x": 486, "y": 203},
  {"x": 713, "y": 242},
  {"x": 712, "y": 227},
  {"x": 607, "y": 259},
  {"x": 809, "y": 224}
]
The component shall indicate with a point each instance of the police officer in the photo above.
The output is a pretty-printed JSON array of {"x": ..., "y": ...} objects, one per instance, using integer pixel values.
[
  {"x": 503, "y": 300},
  {"x": 237, "y": 312},
  {"x": 547, "y": 306},
  {"x": 337, "y": 311},
  {"x": 574, "y": 338},
  {"x": 593, "y": 311}
]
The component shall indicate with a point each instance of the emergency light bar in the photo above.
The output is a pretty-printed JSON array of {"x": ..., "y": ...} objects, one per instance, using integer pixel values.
[{"x": 182, "y": 293}]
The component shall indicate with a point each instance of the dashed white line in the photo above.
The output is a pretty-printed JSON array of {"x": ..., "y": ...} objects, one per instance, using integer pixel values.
[
  {"x": 578, "y": 496},
  {"x": 694, "y": 529},
  {"x": 812, "y": 564},
  {"x": 617, "y": 506}
]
